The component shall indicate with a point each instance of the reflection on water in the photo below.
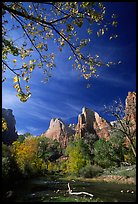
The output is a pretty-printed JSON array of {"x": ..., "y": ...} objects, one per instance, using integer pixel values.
[{"x": 36, "y": 190}]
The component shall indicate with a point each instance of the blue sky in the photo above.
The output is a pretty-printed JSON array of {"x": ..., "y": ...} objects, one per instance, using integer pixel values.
[{"x": 65, "y": 94}]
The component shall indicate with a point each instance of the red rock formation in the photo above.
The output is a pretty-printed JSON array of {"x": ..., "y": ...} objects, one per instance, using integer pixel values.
[
  {"x": 130, "y": 109},
  {"x": 60, "y": 131},
  {"x": 90, "y": 121},
  {"x": 102, "y": 127},
  {"x": 84, "y": 122},
  {"x": 130, "y": 113}
]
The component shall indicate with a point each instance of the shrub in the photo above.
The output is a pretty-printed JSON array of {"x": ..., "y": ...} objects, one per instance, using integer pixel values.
[
  {"x": 90, "y": 171},
  {"x": 5, "y": 167}
]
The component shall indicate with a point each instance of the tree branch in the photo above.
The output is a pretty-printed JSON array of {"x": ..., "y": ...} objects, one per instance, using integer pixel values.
[
  {"x": 60, "y": 19},
  {"x": 14, "y": 73},
  {"x": 78, "y": 193},
  {"x": 25, "y": 15},
  {"x": 9, "y": 67},
  {"x": 125, "y": 128},
  {"x": 47, "y": 24},
  {"x": 27, "y": 35}
]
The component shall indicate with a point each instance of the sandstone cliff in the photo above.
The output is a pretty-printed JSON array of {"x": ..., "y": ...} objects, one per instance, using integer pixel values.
[
  {"x": 60, "y": 131},
  {"x": 10, "y": 135},
  {"x": 90, "y": 122},
  {"x": 130, "y": 109}
]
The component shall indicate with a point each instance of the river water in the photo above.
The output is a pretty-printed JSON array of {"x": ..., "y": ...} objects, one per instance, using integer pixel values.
[{"x": 42, "y": 190}]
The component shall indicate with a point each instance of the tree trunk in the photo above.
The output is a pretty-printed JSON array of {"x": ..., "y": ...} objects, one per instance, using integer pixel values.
[{"x": 132, "y": 146}]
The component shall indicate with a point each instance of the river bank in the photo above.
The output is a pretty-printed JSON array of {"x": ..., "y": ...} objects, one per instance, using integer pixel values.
[
  {"x": 107, "y": 187},
  {"x": 43, "y": 190},
  {"x": 121, "y": 175},
  {"x": 107, "y": 178}
]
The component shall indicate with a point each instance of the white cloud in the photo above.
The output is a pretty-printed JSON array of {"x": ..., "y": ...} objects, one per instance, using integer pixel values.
[
  {"x": 9, "y": 99},
  {"x": 39, "y": 116},
  {"x": 21, "y": 132},
  {"x": 116, "y": 81},
  {"x": 32, "y": 129}
]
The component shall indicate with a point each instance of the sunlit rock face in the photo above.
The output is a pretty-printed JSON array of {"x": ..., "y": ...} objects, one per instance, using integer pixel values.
[
  {"x": 60, "y": 131},
  {"x": 130, "y": 109},
  {"x": 102, "y": 127},
  {"x": 85, "y": 122},
  {"x": 130, "y": 113},
  {"x": 90, "y": 122},
  {"x": 10, "y": 135}
]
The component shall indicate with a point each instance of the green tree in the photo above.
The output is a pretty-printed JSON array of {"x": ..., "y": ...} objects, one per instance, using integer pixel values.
[
  {"x": 33, "y": 154},
  {"x": 6, "y": 161},
  {"x": 60, "y": 22},
  {"x": 78, "y": 155},
  {"x": 110, "y": 153},
  {"x": 26, "y": 156},
  {"x": 9, "y": 166},
  {"x": 129, "y": 156},
  {"x": 123, "y": 122},
  {"x": 90, "y": 140},
  {"x": 117, "y": 147},
  {"x": 48, "y": 150},
  {"x": 21, "y": 138},
  {"x": 101, "y": 152}
]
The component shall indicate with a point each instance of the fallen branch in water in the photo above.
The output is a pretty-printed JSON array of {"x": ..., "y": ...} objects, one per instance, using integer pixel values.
[{"x": 78, "y": 193}]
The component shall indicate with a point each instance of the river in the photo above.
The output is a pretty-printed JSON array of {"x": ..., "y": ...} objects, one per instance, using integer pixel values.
[{"x": 42, "y": 190}]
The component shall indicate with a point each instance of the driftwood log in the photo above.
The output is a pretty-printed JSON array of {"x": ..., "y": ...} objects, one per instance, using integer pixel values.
[{"x": 78, "y": 193}]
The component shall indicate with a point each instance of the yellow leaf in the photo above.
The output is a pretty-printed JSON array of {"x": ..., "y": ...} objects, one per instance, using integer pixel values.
[
  {"x": 16, "y": 79},
  {"x": 18, "y": 90},
  {"x": 14, "y": 60},
  {"x": 102, "y": 31},
  {"x": 16, "y": 86},
  {"x": 31, "y": 69}
]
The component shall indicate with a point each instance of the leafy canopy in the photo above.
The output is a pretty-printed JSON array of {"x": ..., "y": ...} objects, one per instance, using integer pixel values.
[
  {"x": 33, "y": 154},
  {"x": 42, "y": 24},
  {"x": 78, "y": 154}
]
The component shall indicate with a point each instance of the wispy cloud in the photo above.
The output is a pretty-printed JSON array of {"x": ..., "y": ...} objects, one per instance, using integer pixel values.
[
  {"x": 40, "y": 116},
  {"x": 116, "y": 81},
  {"x": 9, "y": 99},
  {"x": 32, "y": 129}
]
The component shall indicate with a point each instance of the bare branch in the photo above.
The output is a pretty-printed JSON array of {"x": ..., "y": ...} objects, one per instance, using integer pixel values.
[{"x": 78, "y": 193}]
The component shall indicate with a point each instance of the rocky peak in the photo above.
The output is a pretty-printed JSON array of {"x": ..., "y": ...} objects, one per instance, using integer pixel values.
[
  {"x": 102, "y": 127},
  {"x": 72, "y": 126},
  {"x": 131, "y": 104},
  {"x": 60, "y": 131},
  {"x": 89, "y": 121},
  {"x": 9, "y": 135},
  {"x": 55, "y": 122},
  {"x": 114, "y": 123}
]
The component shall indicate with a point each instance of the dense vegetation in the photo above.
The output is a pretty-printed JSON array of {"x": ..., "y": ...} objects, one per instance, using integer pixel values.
[{"x": 34, "y": 156}]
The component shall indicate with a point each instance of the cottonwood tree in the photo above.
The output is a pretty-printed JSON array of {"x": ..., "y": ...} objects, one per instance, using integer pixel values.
[
  {"x": 78, "y": 156},
  {"x": 123, "y": 122},
  {"x": 39, "y": 25}
]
